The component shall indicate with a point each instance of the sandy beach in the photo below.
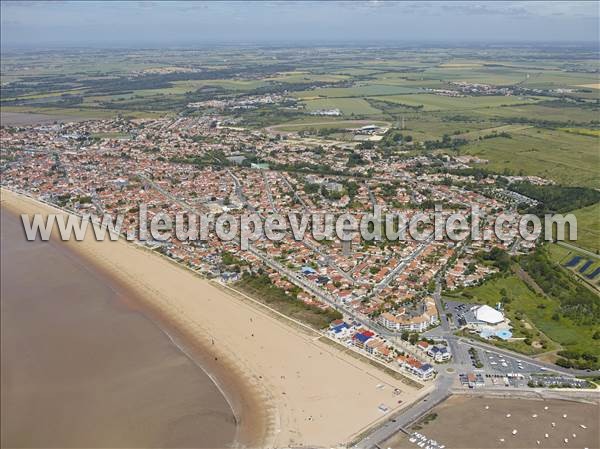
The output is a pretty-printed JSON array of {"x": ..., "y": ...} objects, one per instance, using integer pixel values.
[{"x": 285, "y": 387}]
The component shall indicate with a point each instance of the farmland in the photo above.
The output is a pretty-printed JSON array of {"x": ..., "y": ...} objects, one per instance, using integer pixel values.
[
  {"x": 546, "y": 102},
  {"x": 566, "y": 158},
  {"x": 348, "y": 106},
  {"x": 431, "y": 102}
]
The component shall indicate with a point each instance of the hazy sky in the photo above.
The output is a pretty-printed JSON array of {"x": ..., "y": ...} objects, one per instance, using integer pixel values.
[{"x": 138, "y": 23}]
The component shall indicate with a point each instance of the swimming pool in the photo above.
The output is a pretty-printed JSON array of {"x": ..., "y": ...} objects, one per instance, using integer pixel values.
[{"x": 504, "y": 334}]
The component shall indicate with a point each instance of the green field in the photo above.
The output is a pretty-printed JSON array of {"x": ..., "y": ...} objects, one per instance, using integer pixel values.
[
  {"x": 588, "y": 228},
  {"x": 355, "y": 91},
  {"x": 304, "y": 77},
  {"x": 566, "y": 158},
  {"x": 562, "y": 255},
  {"x": 539, "y": 112},
  {"x": 348, "y": 106},
  {"x": 431, "y": 102},
  {"x": 582, "y": 131},
  {"x": 317, "y": 125},
  {"x": 477, "y": 74},
  {"x": 83, "y": 113},
  {"x": 432, "y": 126},
  {"x": 535, "y": 309}
]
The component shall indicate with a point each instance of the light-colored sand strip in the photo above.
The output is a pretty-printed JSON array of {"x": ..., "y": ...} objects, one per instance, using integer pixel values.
[
  {"x": 307, "y": 392},
  {"x": 590, "y": 86}
]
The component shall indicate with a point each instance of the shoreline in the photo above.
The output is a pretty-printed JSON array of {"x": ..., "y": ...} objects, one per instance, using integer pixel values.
[
  {"x": 242, "y": 398},
  {"x": 284, "y": 386}
]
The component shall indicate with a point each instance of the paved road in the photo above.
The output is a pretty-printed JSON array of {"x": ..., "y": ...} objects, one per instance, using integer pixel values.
[
  {"x": 268, "y": 190},
  {"x": 444, "y": 382},
  {"x": 371, "y": 195},
  {"x": 400, "y": 267},
  {"x": 289, "y": 184},
  {"x": 403, "y": 419},
  {"x": 169, "y": 195}
]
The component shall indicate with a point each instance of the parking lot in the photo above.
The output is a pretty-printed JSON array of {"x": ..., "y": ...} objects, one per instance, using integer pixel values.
[
  {"x": 547, "y": 381},
  {"x": 457, "y": 309},
  {"x": 494, "y": 362},
  {"x": 499, "y": 369}
]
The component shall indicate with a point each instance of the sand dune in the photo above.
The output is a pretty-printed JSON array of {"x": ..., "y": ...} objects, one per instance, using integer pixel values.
[{"x": 286, "y": 387}]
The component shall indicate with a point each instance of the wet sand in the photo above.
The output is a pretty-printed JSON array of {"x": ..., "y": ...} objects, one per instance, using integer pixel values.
[
  {"x": 287, "y": 387},
  {"x": 464, "y": 422},
  {"x": 81, "y": 367}
]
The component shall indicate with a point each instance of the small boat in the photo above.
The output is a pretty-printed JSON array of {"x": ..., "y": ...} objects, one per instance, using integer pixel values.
[
  {"x": 514, "y": 432},
  {"x": 534, "y": 415},
  {"x": 565, "y": 415},
  {"x": 582, "y": 426}
]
